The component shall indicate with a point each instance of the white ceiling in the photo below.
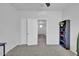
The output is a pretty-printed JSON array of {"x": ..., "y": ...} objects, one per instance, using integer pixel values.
[{"x": 40, "y": 6}]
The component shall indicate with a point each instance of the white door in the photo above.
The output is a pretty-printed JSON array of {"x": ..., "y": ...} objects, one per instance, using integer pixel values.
[
  {"x": 32, "y": 31},
  {"x": 24, "y": 31}
]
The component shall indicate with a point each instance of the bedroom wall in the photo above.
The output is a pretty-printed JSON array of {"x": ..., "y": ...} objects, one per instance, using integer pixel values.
[{"x": 9, "y": 26}]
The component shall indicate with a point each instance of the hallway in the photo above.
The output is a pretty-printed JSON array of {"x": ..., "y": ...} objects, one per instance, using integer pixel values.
[
  {"x": 50, "y": 50},
  {"x": 41, "y": 40}
]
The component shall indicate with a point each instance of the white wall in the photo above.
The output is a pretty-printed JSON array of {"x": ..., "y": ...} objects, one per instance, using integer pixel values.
[
  {"x": 52, "y": 17},
  {"x": 72, "y": 13},
  {"x": 9, "y": 27}
]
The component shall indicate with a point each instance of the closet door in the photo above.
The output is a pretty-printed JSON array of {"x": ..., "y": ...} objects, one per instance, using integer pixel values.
[{"x": 32, "y": 31}]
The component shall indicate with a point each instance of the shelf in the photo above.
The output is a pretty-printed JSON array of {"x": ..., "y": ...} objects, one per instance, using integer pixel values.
[
  {"x": 62, "y": 35},
  {"x": 62, "y": 41},
  {"x": 64, "y": 31}
]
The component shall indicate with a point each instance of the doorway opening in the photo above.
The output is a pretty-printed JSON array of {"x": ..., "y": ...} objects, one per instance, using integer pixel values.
[{"x": 41, "y": 32}]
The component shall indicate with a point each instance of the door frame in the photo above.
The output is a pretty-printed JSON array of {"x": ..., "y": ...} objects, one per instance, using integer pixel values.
[{"x": 46, "y": 31}]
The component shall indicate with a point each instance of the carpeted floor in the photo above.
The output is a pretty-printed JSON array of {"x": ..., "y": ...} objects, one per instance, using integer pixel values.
[{"x": 49, "y": 50}]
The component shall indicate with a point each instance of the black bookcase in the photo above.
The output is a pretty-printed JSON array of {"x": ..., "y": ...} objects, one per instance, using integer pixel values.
[{"x": 64, "y": 34}]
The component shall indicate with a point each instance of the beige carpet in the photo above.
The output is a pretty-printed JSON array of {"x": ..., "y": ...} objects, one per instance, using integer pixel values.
[{"x": 50, "y": 50}]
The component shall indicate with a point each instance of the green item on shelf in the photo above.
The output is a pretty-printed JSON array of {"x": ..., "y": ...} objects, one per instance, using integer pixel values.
[{"x": 78, "y": 45}]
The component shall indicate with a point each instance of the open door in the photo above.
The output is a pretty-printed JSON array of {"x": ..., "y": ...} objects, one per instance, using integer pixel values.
[
  {"x": 32, "y": 31},
  {"x": 24, "y": 30},
  {"x": 41, "y": 32}
]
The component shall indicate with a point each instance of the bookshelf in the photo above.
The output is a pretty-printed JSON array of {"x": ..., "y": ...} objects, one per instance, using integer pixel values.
[{"x": 64, "y": 34}]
